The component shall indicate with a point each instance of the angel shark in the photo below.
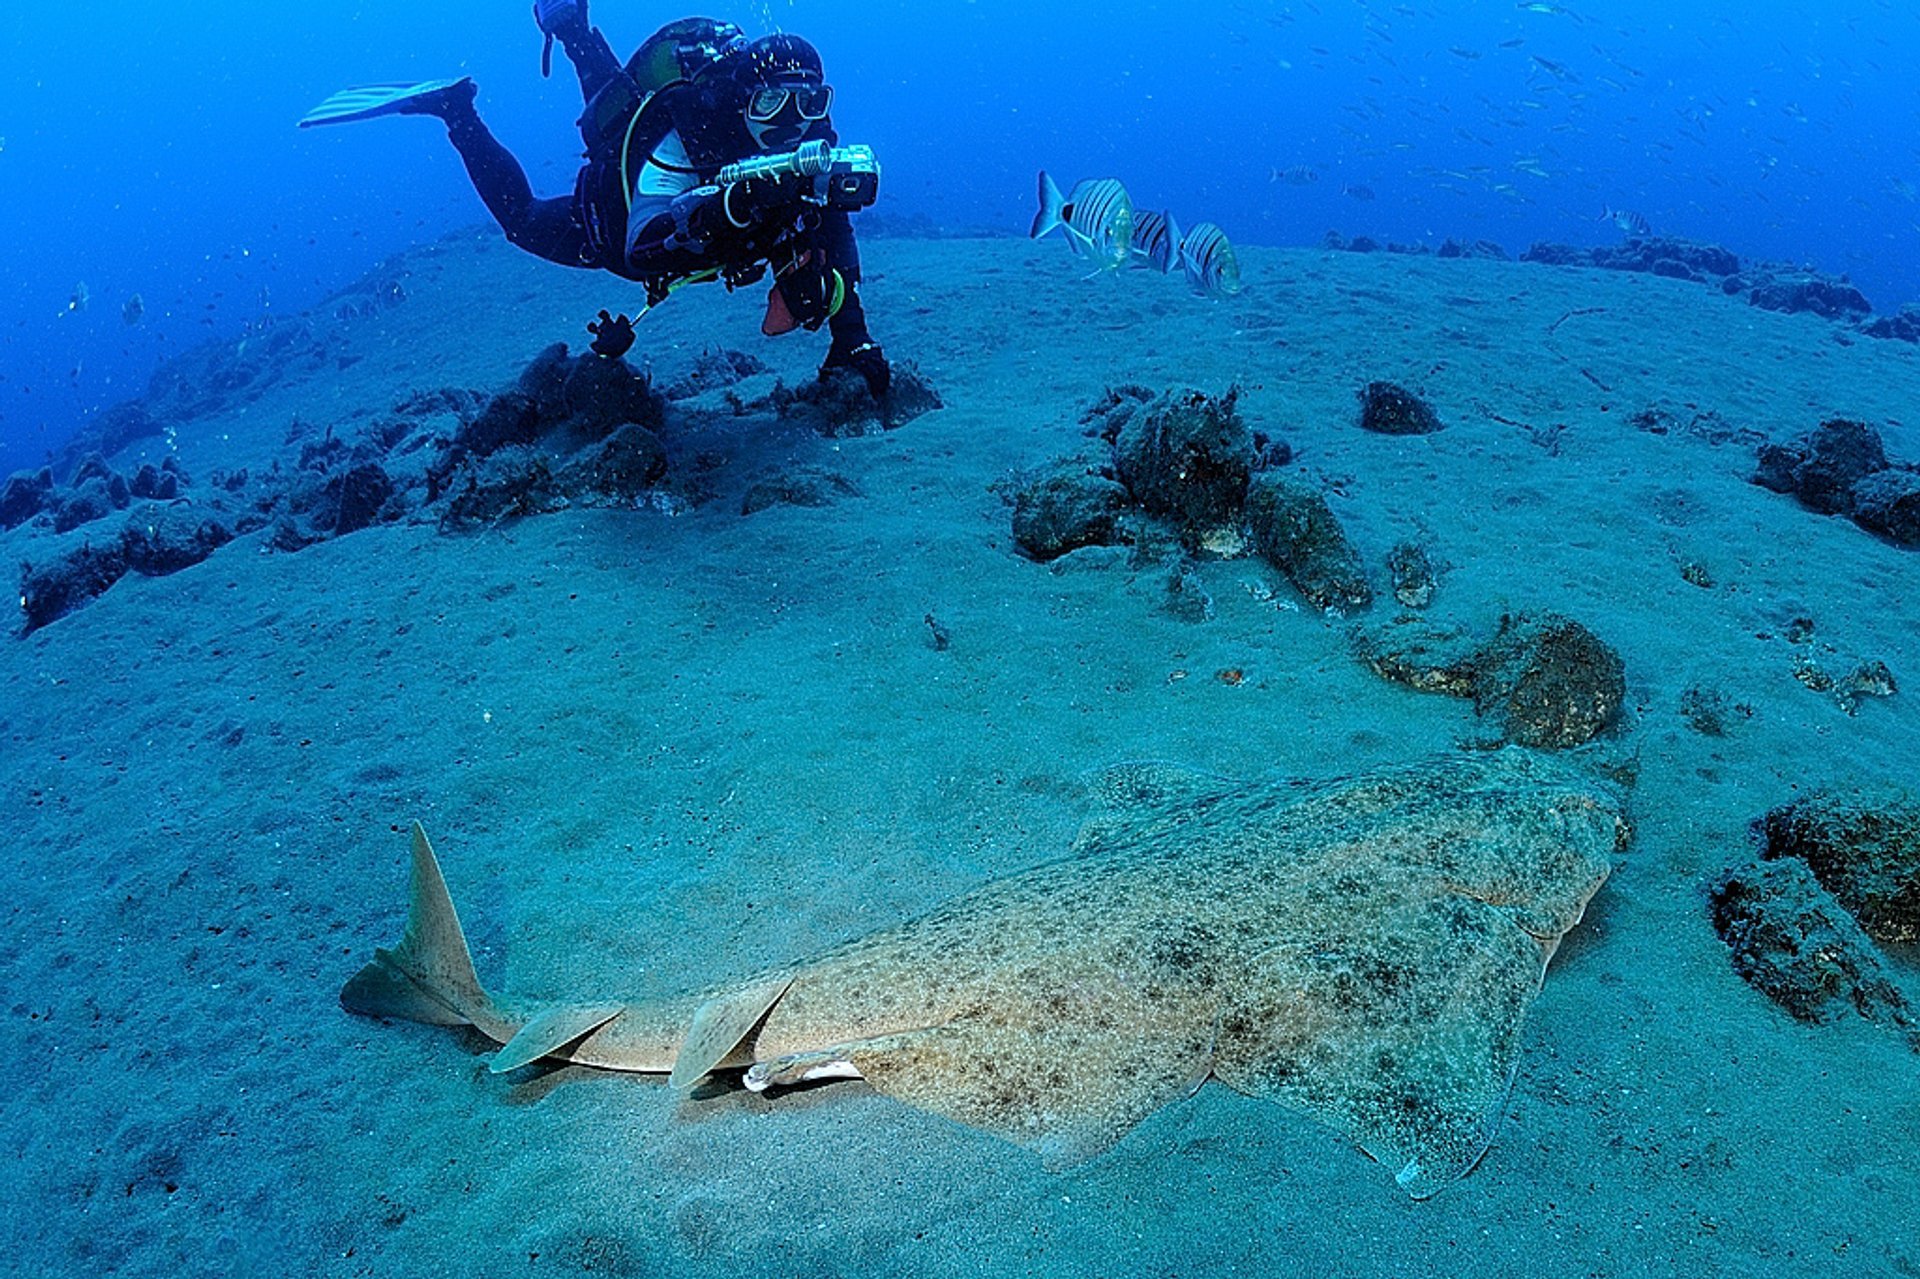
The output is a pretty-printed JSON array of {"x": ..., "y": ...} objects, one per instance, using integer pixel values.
[{"x": 1364, "y": 950}]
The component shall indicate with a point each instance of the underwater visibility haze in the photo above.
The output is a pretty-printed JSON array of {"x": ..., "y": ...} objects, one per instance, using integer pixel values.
[{"x": 1231, "y": 638}]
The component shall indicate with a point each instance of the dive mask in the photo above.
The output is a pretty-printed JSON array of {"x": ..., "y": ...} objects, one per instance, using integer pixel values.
[{"x": 812, "y": 101}]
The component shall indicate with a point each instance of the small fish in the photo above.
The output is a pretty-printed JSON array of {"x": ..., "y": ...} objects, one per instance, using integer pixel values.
[
  {"x": 1097, "y": 219},
  {"x": 1630, "y": 223},
  {"x": 1156, "y": 240},
  {"x": 1300, "y": 175},
  {"x": 134, "y": 311},
  {"x": 1357, "y": 192},
  {"x": 80, "y": 300},
  {"x": 1211, "y": 267},
  {"x": 1557, "y": 70}
]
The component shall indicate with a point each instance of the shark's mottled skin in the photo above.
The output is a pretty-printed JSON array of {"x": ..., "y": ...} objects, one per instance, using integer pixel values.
[{"x": 1363, "y": 949}]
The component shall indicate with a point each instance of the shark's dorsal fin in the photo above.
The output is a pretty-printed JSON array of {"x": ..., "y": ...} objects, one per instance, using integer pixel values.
[
  {"x": 549, "y": 1032},
  {"x": 721, "y": 1025}
]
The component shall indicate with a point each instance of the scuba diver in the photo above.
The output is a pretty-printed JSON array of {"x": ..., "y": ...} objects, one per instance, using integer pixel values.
[{"x": 708, "y": 157}]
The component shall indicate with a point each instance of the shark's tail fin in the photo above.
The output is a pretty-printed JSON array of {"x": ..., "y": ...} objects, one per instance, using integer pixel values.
[{"x": 429, "y": 976}]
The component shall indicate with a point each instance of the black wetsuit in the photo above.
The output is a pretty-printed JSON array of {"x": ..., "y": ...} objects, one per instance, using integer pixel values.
[{"x": 682, "y": 137}]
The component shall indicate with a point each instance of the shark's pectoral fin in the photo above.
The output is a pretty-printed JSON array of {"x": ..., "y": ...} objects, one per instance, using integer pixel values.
[
  {"x": 1405, "y": 1038},
  {"x": 549, "y": 1032},
  {"x": 721, "y": 1025},
  {"x": 1065, "y": 1090}
]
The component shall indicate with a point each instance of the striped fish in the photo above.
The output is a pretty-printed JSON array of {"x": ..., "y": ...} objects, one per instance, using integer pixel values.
[
  {"x": 1630, "y": 224},
  {"x": 1097, "y": 219},
  {"x": 1156, "y": 240},
  {"x": 1212, "y": 269}
]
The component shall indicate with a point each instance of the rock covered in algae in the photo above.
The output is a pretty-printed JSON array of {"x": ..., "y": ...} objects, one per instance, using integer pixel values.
[
  {"x": 1794, "y": 942},
  {"x": 1864, "y": 847},
  {"x": 1546, "y": 680},
  {"x": 1389, "y": 409},
  {"x": 1293, "y": 527},
  {"x": 1186, "y": 457},
  {"x": 1068, "y": 506}
]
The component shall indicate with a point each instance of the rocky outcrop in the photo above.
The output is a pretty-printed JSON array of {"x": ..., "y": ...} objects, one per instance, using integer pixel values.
[{"x": 1544, "y": 680}]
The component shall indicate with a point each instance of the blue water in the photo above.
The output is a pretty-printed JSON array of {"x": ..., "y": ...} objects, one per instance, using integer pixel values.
[{"x": 149, "y": 148}]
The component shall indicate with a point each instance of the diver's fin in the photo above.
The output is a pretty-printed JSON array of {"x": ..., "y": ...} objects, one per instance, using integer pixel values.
[
  {"x": 1052, "y": 205},
  {"x": 429, "y": 976},
  {"x": 721, "y": 1025},
  {"x": 368, "y": 101},
  {"x": 549, "y": 1032}
]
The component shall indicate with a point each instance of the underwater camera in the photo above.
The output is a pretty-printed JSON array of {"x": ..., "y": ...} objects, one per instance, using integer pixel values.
[{"x": 845, "y": 178}]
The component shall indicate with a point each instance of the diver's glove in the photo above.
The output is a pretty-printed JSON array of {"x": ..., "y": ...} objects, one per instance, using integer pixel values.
[
  {"x": 866, "y": 359},
  {"x": 612, "y": 338},
  {"x": 559, "y": 19},
  {"x": 564, "y": 20}
]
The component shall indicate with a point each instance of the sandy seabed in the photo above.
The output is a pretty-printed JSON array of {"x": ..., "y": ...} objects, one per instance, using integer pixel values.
[{"x": 661, "y": 750}]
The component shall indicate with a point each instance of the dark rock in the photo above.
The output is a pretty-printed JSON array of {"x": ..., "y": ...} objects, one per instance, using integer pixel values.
[
  {"x": 911, "y": 396},
  {"x": 508, "y": 485},
  {"x": 1269, "y": 453},
  {"x": 508, "y": 420},
  {"x": 1706, "y": 710},
  {"x": 1646, "y": 253},
  {"x": 544, "y": 383},
  {"x": 715, "y": 370},
  {"x": 93, "y": 467},
  {"x": 150, "y": 483},
  {"x": 1793, "y": 942},
  {"x": 25, "y": 495},
  {"x": 1840, "y": 455},
  {"x": 1188, "y": 457},
  {"x": 165, "y": 539},
  {"x": 1393, "y": 410},
  {"x": 1864, "y": 847},
  {"x": 1363, "y": 244},
  {"x": 82, "y": 506},
  {"x": 1822, "y": 468},
  {"x": 1778, "y": 467},
  {"x": 1411, "y": 572},
  {"x": 621, "y": 467},
  {"x": 602, "y": 395},
  {"x": 1903, "y": 326},
  {"x": 1830, "y": 299},
  {"x": 1548, "y": 681},
  {"x": 1066, "y": 508},
  {"x": 71, "y": 580},
  {"x": 1294, "y": 528},
  {"x": 1549, "y": 254},
  {"x": 1116, "y": 407},
  {"x": 1675, "y": 269},
  {"x": 356, "y": 497},
  {"x": 1481, "y": 250},
  {"x": 1888, "y": 502},
  {"x": 801, "y": 486},
  {"x": 838, "y": 405}
]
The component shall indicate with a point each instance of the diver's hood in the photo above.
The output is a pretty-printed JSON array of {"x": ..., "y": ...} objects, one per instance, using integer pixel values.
[{"x": 778, "y": 59}]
